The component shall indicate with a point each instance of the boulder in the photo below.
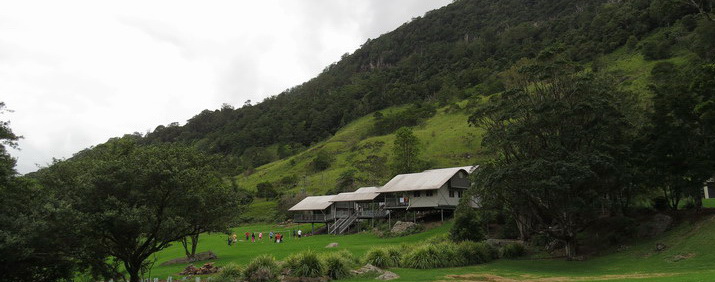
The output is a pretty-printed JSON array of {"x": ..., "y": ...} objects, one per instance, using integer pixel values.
[
  {"x": 401, "y": 226},
  {"x": 367, "y": 268},
  {"x": 659, "y": 247},
  {"x": 388, "y": 275},
  {"x": 655, "y": 226},
  {"x": 332, "y": 245}
]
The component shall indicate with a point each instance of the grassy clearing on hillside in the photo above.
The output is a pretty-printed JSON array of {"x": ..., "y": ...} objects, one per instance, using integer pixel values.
[{"x": 447, "y": 140}]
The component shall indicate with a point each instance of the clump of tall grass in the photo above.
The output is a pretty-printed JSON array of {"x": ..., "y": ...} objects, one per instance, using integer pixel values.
[
  {"x": 305, "y": 264},
  {"x": 377, "y": 257},
  {"x": 423, "y": 257},
  {"x": 337, "y": 265},
  {"x": 229, "y": 273},
  {"x": 513, "y": 250},
  {"x": 262, "y": 268},
  {"x": 394, "y": 255},
  {"x": 437, "y": 239},
  {"x": 476, "y": 252},
  {"x": 448, "y": 254}
]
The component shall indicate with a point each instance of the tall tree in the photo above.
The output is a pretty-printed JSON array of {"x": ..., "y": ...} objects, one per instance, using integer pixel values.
[
  {"x": 216, "y": 209},
  {"x": 682, "y": 135},
  {"x": 561, "y": 145},
  {"x": 7, "y": 138},
  {"x": 406, "y": 151},
  {"x": 133, "y": 201}
]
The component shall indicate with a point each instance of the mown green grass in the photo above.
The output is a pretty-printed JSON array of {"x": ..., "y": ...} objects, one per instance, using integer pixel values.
[
  {"x": 244, "y": 251},
  {"x": 692, "y": 241},
  {"x": 709, "y": 203}
]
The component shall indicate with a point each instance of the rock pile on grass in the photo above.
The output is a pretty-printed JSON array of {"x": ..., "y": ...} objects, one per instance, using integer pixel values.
[
  {"x": 402, "y": 227},
  {"x": 208, "y": 255},
  {"x": 207, "y": 268}
]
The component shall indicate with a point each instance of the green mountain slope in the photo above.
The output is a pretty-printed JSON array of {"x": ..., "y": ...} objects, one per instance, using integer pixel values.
[
  {"x": 446, "y": 138},
  {"x": 448, "y": 55}
]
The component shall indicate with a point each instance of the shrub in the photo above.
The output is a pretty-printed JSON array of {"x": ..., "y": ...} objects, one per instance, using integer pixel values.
[
  {"x": 321, "y": 161},
  {"x": 348, "y": 256},
  {"x": 305, "y": 264},
  {"x": 468, "y": 224},
  {"x": 653, "y": 50},
  {"x": 448, "y": 253},
  {"x": 230, "y": 272},
  {"x": 377, "y": 257},
  {"x": 394, "y": 255},
  {"x": 337, "y": 266},
  {"x": 513, "y": 250},
  {"x": 262, "y": 268},
  {"x": 476, "y": 253},
  {"x": 423, "y": 257},
  {"x": 436, "y": 239}
]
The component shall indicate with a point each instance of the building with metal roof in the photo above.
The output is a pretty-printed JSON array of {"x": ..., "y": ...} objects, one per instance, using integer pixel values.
[
  {"x": 433, "y": 189},
  {"x": 430, "y": 189}
]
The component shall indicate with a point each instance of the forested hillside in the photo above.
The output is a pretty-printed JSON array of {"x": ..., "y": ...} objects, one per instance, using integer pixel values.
[{"x": 448, "y": 55}]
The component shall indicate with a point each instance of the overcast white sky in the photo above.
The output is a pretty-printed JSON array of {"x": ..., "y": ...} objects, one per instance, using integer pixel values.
[{"x": 77, "y": 73}]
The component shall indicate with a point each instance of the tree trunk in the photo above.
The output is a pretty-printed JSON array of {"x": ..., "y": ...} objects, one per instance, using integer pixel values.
[
  {"x": 570, "y": 248},
  {"x": 190, "y": 253},
  {"x": 185, "y": 244},
  {"x": 698, "y": 203},
  {"x": 194, "y": 244},
  {"x": 133, "y": 270}
]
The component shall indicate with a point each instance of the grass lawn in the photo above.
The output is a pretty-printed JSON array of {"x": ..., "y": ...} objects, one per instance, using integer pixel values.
[
  {"x": 244, "y": 251},
  {"x": 689, "y": 256},
  {"x": 709, "y": 203}
]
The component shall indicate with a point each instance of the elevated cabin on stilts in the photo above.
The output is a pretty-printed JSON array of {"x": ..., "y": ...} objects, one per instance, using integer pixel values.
[
  {"x": 427, "y": 191},
  {"x": 430, "y": 190},
  {"x": 314, "y": 209}
]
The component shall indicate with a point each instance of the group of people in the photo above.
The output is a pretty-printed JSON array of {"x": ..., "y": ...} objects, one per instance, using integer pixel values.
[{"x": 275, "y": 237}]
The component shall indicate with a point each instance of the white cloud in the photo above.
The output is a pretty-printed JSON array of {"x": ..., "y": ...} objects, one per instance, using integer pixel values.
[{"x": 79, "y": 72}]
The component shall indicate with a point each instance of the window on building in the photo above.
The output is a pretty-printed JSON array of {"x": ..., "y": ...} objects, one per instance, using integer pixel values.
[
  {"x": 416, "y": 194},
  {"x": 451, "y": 193},
  {"x": 429, "y": 193},
  {"x": 459, "y": 193}
]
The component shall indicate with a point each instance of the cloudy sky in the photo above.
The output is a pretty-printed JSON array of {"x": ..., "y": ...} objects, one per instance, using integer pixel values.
[{"x": 76, "y": 73}]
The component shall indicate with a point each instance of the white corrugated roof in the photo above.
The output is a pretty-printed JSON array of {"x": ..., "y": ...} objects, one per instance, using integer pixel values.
[
  {"x": 468, "y": 169},
  {"x": 367, "y": 189},
  {"x": 426, "y": 180},
  {"x": 313, "y": 203},
  {"x": 362, "y": 194}
]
